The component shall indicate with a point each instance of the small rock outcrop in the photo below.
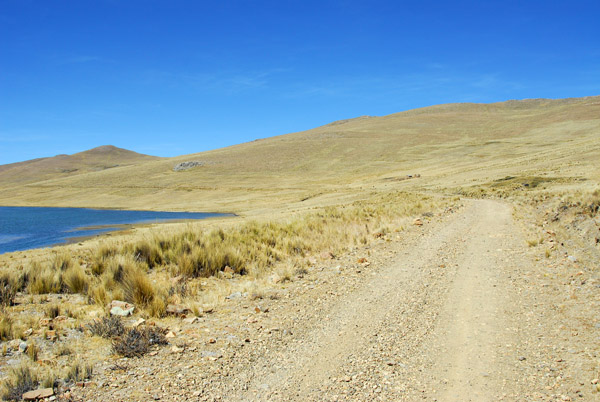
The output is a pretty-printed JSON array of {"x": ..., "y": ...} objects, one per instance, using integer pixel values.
[{"x": 187, "y": 165}]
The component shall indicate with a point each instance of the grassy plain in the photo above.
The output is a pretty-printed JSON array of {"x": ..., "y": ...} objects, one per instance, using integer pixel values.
[{"x": 300, "y": 197}]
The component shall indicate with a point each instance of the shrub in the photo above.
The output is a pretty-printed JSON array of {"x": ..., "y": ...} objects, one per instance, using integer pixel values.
[
  {"x": 107, "y": 327},
  {"x": 20, "y": 380},
  {"x": 136, "y": 342},
  {"x": 155, "y": 335}
]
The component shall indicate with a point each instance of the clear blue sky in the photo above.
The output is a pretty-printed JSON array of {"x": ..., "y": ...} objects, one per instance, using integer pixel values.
[{"x": 176, "y": 77}]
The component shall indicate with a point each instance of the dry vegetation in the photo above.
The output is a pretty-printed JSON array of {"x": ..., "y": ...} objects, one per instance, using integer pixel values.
[
  {"x": 347, "y": 189},
  {"x": 157, "y": 268},
  {"x": 142, "y": 270},
  {"x": 449, "y": 145}
]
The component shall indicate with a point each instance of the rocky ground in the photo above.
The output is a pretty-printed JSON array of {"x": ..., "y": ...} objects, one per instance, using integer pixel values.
[{"x": 459, "y": 308}]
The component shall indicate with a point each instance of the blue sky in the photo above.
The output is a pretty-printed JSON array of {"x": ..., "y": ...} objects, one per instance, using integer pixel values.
[{"x": 175, "y": 77}]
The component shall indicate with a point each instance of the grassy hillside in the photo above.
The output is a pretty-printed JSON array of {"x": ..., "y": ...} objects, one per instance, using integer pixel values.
[
  {"x": 448, "y": 145},
  {"x": 303, "y": 199}
]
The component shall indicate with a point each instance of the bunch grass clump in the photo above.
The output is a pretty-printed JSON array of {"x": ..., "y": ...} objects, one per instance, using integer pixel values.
[
  {"x": 20, "y": 380},
  {"x": 6, "y": 326},
  {"x": 44, "y": 279},
  {"x": 79, "y": 371},
  {"x": 76, "y": 280},
  {"x": 8, "y": 290},
  {"x": 53, "y": 311}
]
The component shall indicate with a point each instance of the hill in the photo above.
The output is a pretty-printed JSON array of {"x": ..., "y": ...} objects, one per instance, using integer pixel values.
[
  {"x": 449, "y": 146},
  {"x": 59, "y": 166}
]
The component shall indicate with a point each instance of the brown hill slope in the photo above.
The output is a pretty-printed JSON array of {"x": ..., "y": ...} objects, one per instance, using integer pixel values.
[
  {"x": 93, "y": 160},
  {"x": 448, "y": 145}
]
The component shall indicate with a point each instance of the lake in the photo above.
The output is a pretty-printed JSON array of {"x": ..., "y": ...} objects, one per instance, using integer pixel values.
[{"x": 24, "y": 228}]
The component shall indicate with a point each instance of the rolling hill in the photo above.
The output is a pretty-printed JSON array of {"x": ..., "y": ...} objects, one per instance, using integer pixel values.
[
  {"x": 449, "y": 146},
  {"x": 93, "y": 160}
]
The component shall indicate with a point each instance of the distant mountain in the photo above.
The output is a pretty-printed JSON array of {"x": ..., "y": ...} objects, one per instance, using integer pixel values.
[{"x": 93, "y": 160}]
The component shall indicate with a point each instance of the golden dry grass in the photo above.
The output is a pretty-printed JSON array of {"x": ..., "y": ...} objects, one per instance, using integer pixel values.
[
  {"x": 324, "y": 190},
  {"x": 299, "y": 194},
  {"x": 449, "y": 145},
  {"x": 141, "y": 268}
]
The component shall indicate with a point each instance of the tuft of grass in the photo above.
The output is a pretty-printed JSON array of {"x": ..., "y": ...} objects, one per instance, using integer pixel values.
[
  {"x": 137, "y": 287},
  {"x": 147, "y": 252},
  {"x": 53, "y": 311},
  {"x": 301, "y": 272},
  {"x": 157, "y": 307},
  {"x": 103, "y": 253},
  {"x": 33, "y": 351},
  {"x": 20, "y": 380},
  {"x": 7, "y": 290},
  {"x": 76, "y": 280},
  {"x": 532, "y": 242},
  {"x": 61, "y": 262},
  {"x": 107, "y": 327},
  {"x": 99, "y": 294},
  {"x": 79, "y": 371},
  {"x": 44, "y": 279},
  {"x": 49, "y": 380},
  {"x": 6, "y": 327}
]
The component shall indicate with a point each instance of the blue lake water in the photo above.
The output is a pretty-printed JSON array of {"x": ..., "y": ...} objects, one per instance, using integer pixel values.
[{"x": 23, "y": 228}]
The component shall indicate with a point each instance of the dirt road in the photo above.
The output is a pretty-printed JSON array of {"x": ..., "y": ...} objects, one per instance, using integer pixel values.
[
  {"x": 437, "y": 316},
  {"x": 445, "y": 313}
]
